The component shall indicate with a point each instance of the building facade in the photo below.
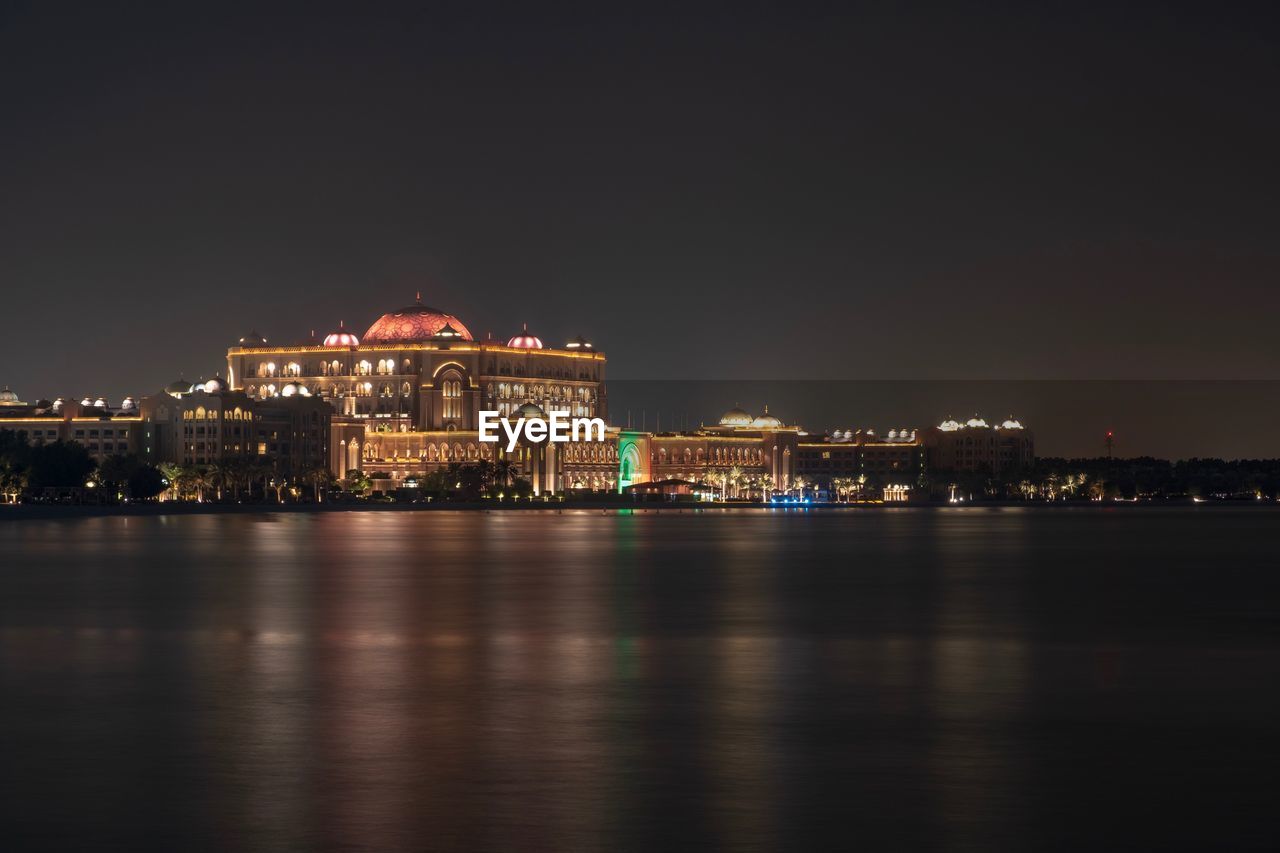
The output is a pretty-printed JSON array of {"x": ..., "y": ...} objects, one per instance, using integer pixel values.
[
  {"x": 404, "y": 400},
  {"x": 210, "y": 424},
  {"x": 977, "y": 446},
  {"x": 741, "y": 454},
  {"x": 406, "y": 396},
  {"x": 104, "y": 430},
  {"x": 863, "y": 464}
]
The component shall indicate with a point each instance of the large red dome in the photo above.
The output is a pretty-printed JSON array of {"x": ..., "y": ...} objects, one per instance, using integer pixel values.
[{"x": 412, "y": 324}]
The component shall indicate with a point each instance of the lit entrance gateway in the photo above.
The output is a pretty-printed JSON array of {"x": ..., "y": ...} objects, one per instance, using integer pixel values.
[{"x": 632, "y": 460}]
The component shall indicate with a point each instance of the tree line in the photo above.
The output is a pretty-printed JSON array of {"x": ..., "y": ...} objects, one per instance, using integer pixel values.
[
  {"x": 1100, "y": 478},
  {"x": 66, "y": 469}
]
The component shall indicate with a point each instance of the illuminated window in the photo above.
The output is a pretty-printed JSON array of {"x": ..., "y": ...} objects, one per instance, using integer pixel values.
[{"x": 451, "y": 393}]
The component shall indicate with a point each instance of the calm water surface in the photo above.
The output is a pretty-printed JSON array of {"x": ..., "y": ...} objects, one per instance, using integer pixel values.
[{"x": 910, "y": 679}]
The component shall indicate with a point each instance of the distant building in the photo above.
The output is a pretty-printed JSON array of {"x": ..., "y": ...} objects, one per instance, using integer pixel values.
[
  {"x": 976, "y": 445},
  {"x": 104, "y": 430},
  {"x": 404, "y": 400},
  {"x": 406, "y": 396},
  {"x": 209, "y": 423},
  {"x": 197, "y": 424},
  {"x": 863, "y": 463},
  {"x": 758, "y": 453}
]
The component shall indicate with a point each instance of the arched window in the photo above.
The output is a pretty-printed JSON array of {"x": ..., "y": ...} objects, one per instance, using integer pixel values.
[
  {"x": 293, "y": 369},
  {"x": 405, "y": 389},
  {"x": 451, "y": 394}
]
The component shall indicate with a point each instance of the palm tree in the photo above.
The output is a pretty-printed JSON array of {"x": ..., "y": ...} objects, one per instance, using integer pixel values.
[
  {"x": 258, "y": 471},
  {"x": 237, "y": 470},
  {"x": 504, "y": 471},
  {"x": 767, "y": 486},
  {"x": 800, "y": 483},
  {"x": 171, "y": 471},
  {"x": 735, "y": 479},
  {"x": 840, "y": 485},
  {"x": 722, "y": 477},
  {"x": 320, "y": 477},
  {"x": 485, "y": 474},
  {"x": 357, "y": 482},
  {"x": 279, "y": 481},
  {"x": 13, "y": 481},
  {"x": 221, "y": 476},
  {"x": 192, "y": 480}
]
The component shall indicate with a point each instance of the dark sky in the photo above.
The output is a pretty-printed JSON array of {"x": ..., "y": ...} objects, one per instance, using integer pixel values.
[{"x": 758, "y": 190}]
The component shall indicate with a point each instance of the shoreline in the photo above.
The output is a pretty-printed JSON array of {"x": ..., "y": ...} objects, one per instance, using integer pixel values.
[{"x": 173, "y": 508}]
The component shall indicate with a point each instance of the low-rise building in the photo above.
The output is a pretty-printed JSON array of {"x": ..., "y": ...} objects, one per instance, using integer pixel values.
[
  {"x": 976, "y": 445},
  {"x": 862, "y": 464},
  {"x": 104, "y": 430}
]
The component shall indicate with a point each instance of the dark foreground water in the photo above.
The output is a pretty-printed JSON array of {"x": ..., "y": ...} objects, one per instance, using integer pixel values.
[{"x": 914, "y": 679}]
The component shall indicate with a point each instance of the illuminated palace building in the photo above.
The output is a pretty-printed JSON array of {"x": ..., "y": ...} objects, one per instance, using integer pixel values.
[{"x": 406, "y": 397}]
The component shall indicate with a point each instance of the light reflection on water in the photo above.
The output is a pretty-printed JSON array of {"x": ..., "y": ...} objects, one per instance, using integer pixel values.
[{"x": 951, "y": 679}]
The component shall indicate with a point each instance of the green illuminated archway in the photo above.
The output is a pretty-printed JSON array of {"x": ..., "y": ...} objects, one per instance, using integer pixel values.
[{"x": 629, "y": 464}]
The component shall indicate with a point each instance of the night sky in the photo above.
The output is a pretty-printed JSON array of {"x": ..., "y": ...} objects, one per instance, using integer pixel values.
[{"x": 751, "y": 191}]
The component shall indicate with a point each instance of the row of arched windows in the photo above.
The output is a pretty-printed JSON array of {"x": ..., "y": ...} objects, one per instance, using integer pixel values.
[
  {"x": 539, "y": 371},
  {"x": 593, "y": 452},
  {"x": 715, "y": 456},
  {"x": 384, "y": 367},
  {"x": 443, "y": 452},
  {"x": 337, "y": 389},
  {"x": 200, "y": 413},
  {"x": 520, "y": 391}
]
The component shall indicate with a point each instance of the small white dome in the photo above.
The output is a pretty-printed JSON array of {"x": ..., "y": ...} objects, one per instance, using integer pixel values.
[
  {"x": 295, "y": 389},
  {"x": 766, "y": 421},
  {"x": 530, "y": 410}
]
